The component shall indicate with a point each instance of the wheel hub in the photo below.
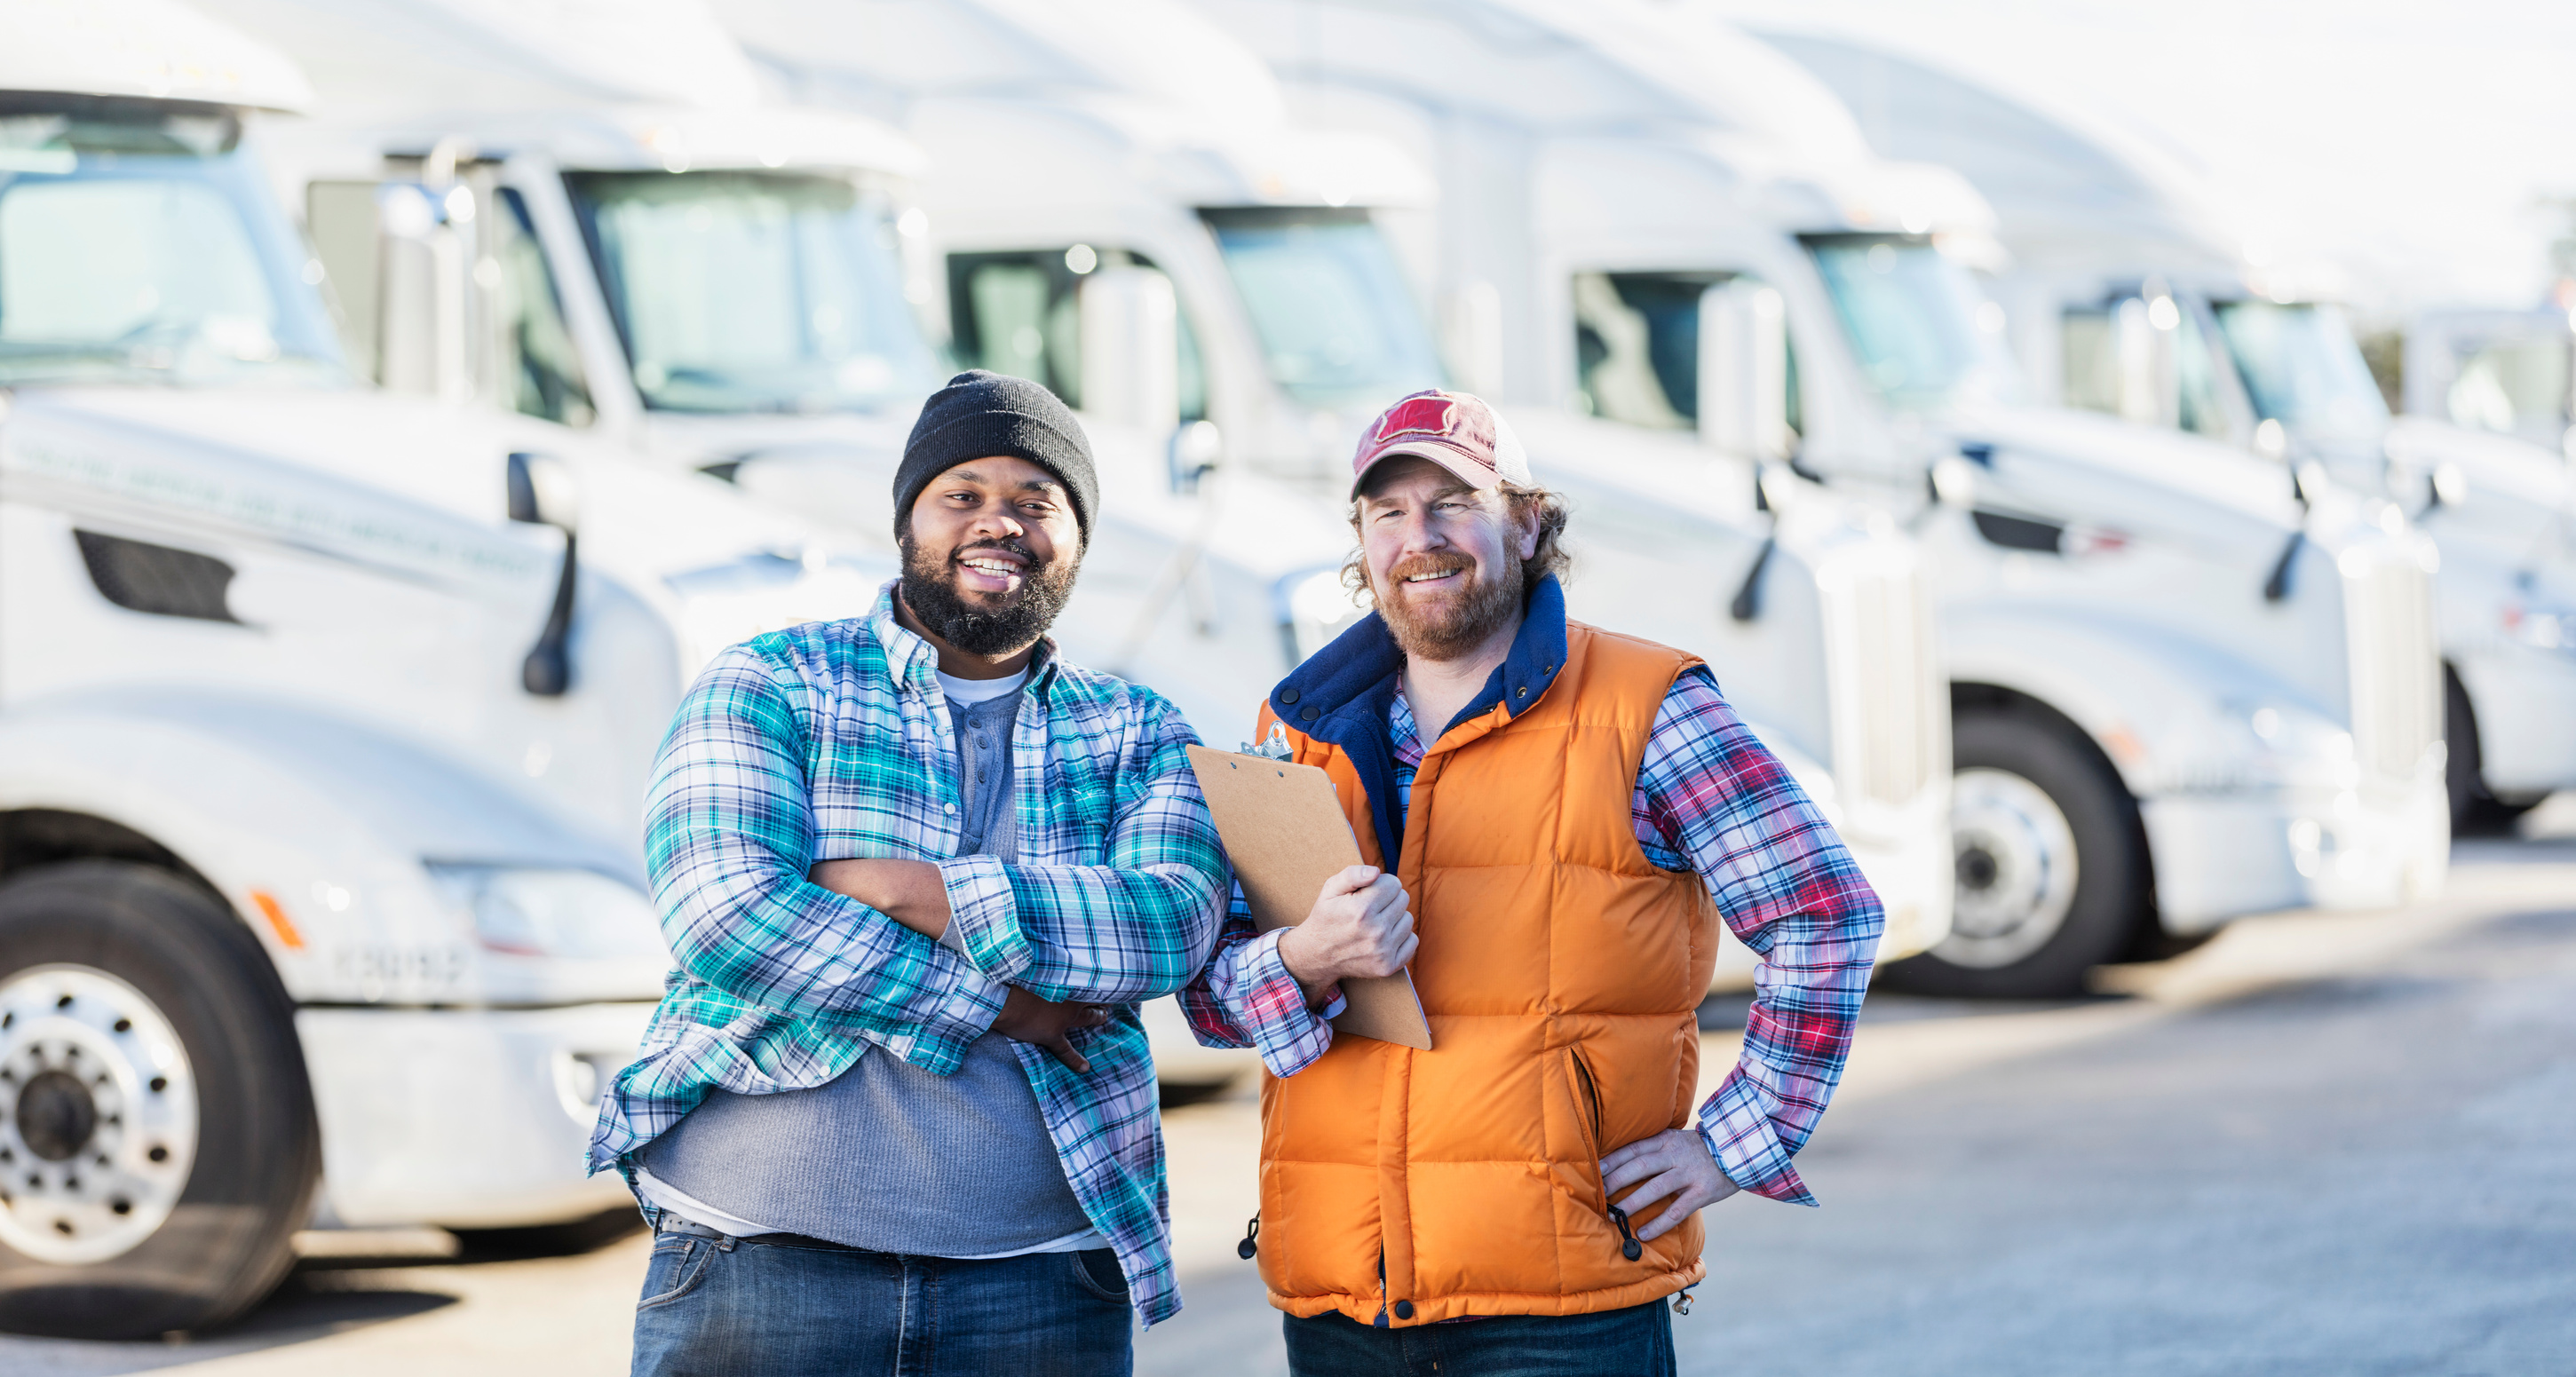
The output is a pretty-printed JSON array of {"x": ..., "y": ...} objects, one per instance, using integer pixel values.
[
  {"x": 2016, "y": 866},
  {"x": 98, "y": 1115},
  {"x": 1977, "y": 868},
  {"x": 56, "y": 1115}
]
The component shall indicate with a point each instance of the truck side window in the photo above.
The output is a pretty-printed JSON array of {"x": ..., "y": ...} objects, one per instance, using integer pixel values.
[
  {"x": 2089, "y": 347},
  {"x": 1019, "y": 312},
  {"x": 1636, "y": 348},
  {"x": 534, "y": 364},
  {"x": 2196, "y": 366}
]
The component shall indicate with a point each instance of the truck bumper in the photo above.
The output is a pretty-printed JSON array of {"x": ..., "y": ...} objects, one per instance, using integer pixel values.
[
  {"x": 2219, "y": 856},
  {"x": 466, "y": 1118}
]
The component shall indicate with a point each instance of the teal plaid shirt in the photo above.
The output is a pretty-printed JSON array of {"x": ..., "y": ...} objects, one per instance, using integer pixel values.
[{"x": 832, "y": 740}]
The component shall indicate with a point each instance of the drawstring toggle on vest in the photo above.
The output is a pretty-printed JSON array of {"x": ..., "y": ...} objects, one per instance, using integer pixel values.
[
  {"x": 1251, "y": 1231},
  {"x": 1628, "y": 1246}
]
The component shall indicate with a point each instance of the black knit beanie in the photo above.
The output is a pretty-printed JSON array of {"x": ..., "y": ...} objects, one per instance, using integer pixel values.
[{"x": 979, "y": 414}]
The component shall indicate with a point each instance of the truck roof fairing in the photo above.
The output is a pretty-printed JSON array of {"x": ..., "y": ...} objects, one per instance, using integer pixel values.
[{"x": 143, "y": 49}]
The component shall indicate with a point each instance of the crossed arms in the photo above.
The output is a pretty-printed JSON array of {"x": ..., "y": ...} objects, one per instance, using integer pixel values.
[{"x": 731, "y": 832}]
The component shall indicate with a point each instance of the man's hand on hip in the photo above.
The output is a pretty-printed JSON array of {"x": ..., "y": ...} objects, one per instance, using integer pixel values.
[
  {"x": 1027, "y": 1018},
  {"x": 1359, "y": 928},
  {"x": 1674, "y": 1163}
]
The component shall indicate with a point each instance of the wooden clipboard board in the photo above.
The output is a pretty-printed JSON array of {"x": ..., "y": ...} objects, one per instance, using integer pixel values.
[{"x": 1284, "y": 831}]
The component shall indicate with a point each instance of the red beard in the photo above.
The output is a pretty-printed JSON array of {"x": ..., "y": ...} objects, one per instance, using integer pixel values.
[{"x": 1447, "y": 625}]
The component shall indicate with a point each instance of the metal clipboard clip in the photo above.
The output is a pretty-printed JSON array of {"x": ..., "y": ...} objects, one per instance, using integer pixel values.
[{"x": 1272, "y": 747}]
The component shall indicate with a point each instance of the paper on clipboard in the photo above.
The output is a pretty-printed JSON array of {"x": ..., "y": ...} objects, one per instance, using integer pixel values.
[{"x": 1285, "y": 833}]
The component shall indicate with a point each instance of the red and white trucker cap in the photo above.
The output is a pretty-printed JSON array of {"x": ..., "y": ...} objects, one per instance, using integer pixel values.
[{"x": 1455, "y": 430}]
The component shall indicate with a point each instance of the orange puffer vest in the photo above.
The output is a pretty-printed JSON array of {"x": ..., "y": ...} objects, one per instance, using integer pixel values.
[{"x": 1561, "y": 973}]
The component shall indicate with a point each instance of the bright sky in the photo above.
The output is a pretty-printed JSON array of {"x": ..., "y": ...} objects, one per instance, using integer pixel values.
[{"x": 2415, "y": 144}]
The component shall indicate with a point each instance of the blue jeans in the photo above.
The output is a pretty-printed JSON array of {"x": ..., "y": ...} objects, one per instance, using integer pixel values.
[
  {"x": 1635, "y": 1342},
  {"x": 736, "y": 1308}
]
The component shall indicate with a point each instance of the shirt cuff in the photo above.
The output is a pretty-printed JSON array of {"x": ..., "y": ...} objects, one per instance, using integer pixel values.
[
  {"x": 1271, "y": 1005},
  {"x": 964, "y": 1014},
  {"x": 984, "y": 915},
  {"x": 1737, "y": 1127}
]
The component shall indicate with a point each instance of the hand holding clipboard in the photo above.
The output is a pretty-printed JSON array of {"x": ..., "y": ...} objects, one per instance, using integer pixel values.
[{"x": 1285, "y": 834}]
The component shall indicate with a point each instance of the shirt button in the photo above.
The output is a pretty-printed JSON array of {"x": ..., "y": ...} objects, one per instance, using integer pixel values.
[
  {"x": 949, "y": 808},
  {"x": 1310, "y": 714},
  {"x": 1288, "y": 695}
]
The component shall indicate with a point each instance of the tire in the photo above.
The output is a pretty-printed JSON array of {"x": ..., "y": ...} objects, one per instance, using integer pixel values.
[
  {"x": 171, "y": 1076},
  {"x": 2475, "y": 811},
  {"x": 2052, "y": 865}
]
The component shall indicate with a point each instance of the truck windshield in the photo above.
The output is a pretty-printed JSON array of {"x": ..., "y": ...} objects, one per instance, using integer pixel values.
[
  {"x": 2302, "y": 367},
  {"x": 1923, "y": 336},
  {"x": 1336, "y": 319},
  {"x": 754, "y": 291},
  {"x": 148, "y": 249}
]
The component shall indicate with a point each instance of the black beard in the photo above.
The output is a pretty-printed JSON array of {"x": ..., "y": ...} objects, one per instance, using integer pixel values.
[
  {"x": 930, "y": 590},
  {"x": 1462, "y": 626}
]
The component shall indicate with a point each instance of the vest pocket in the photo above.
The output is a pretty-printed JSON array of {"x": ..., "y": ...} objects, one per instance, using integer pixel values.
[
  {"x": 1589, "y": 1118},
  {"x": 1587, "y": 1103}
]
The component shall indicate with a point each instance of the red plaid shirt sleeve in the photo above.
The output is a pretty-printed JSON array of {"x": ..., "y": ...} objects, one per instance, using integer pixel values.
[
  {"x": 1711, "y": 796},
  {"x": 1245, "y": 997}
]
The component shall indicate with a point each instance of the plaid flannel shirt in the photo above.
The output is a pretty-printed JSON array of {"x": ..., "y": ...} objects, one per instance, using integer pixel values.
[
  {"x": 1709, "y": 798},
  {"x": 831, "y": 741}
]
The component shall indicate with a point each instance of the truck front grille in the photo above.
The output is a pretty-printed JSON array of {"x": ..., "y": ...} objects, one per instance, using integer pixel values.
[{"x": 1891, "y": 720}]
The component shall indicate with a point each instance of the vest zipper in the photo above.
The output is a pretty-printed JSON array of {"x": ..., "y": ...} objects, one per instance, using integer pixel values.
[{"x": 1629, "y": 1248}]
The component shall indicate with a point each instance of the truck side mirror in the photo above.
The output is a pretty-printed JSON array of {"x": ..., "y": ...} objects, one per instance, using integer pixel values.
[
  {"x": 1744, "y": 370},
  {"x": 542, "y": 492},
  {"x": 1196, "y": 449},
  {"x": 397, "y": 254},
  {"x": 1131, "y": 351},
  {"x": 2147, "y": 332}
]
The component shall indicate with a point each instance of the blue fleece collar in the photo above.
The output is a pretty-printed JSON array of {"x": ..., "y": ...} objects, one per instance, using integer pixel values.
[{"x": 1342, "y": 694}]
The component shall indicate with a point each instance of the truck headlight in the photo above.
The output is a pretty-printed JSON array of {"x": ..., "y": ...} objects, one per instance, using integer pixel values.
[
  {"x": 2541, "y": 628},
  {"x": 570, "y": 914},
  {"x": 2284, "y": 742}
]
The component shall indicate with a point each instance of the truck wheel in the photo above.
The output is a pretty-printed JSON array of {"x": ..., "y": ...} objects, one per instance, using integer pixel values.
[
  {"x": 2052, "y": 865},
  {"x": 2475, "y": 812},
  {"x": 157, "y": 1141}
]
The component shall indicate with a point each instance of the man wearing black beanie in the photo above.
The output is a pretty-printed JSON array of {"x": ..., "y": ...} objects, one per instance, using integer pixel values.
[
  {"x": 918, "y": 875},
  {"x": 985, "y": 419}
]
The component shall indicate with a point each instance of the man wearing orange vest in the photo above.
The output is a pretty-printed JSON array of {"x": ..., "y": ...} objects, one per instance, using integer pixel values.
[{"x": 1567, "y": 815}]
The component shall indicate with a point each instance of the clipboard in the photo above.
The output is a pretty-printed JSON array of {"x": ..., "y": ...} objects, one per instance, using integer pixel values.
[{"x": 1284, "y": 831}]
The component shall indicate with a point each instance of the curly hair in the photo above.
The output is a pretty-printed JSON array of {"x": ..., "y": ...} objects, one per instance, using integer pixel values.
[{"x": 1550, "y": 557}]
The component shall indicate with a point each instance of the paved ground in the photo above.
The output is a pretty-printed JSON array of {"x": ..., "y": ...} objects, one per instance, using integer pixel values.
[{"x": 2331, "y": 1144}]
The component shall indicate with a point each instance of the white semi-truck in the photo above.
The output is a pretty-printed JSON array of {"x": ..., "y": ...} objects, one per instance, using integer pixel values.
[
  {"x": 1212, "y": 285},
  {"x": 325, "y": 717},
  {"x": 1066, "y": 135},
  {"x": 2129, "y": 293},
  {"x": 2182, "y": 689},
  {"x": 749, "y": 289}
]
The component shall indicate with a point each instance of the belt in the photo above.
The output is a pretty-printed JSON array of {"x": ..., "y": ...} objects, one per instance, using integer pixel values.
[{"x": 672, "y": 1223}]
